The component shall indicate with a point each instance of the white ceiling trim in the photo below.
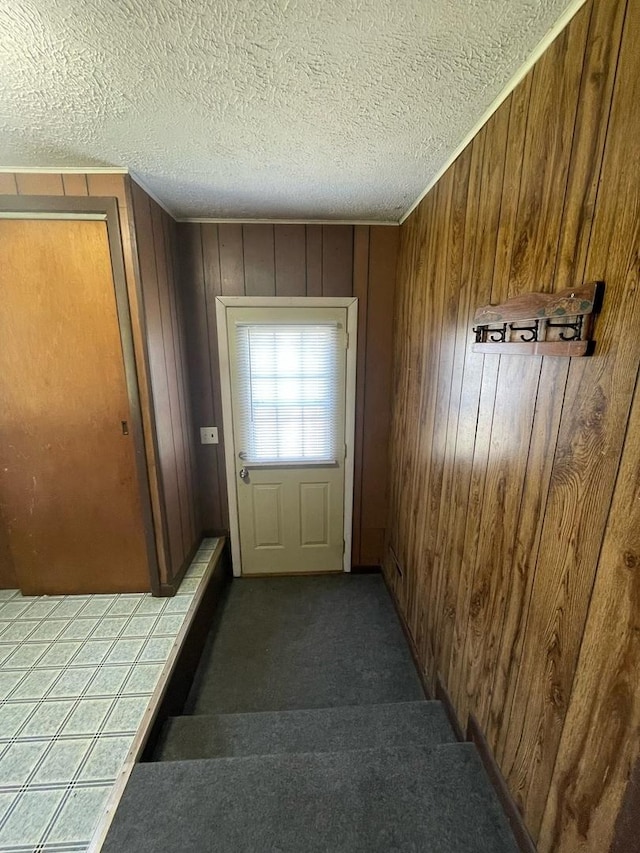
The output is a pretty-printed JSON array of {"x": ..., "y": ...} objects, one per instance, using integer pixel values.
[
  {"x": 152, "y": 195},
  {"x": 546, "y": 42},
  {"x": 64, "y": 170},
  {"x": 205, "y": 220}
]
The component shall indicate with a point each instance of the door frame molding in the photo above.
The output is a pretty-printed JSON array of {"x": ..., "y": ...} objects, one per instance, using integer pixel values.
[
  {"x": 105, "y": 208},
  {"x": 351, "y": 304}
]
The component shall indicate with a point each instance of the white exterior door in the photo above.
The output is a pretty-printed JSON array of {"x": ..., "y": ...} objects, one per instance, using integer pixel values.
[{"x": 287, "y": 434}]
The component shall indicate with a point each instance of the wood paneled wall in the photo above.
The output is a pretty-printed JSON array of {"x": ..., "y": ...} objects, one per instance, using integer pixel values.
[
  {"x": 165, "y": 337},
  {"x": 295, "y": 260},
  {"x": 147, "y": 235},
  {"x": 514, "y": 480}
]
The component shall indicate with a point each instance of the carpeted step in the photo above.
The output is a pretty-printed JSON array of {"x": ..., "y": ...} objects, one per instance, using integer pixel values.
[
  {"x": 317, "y": 730},
  {"x": 368, "y": 801},
  {"x": 304, "y": 642}
]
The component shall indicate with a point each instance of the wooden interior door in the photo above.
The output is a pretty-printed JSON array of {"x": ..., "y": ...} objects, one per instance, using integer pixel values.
[{"x": 69, "y": 489}]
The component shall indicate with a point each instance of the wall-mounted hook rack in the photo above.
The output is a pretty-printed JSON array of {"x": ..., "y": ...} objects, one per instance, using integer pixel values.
[{"x": 540, "y": 323}]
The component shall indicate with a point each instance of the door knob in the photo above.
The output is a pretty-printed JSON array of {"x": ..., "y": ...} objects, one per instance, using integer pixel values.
[{"x": 244, "y": 473}]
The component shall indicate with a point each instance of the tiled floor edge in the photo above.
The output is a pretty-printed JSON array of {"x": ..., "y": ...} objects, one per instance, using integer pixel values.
[{"x": 154, "y": 703}]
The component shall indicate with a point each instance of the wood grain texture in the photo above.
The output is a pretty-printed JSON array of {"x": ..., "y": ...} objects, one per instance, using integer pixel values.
[
  {"x": 565, "y": 349},
  {"x": 74, "y": 506},
  {"x": 360, "y": 289},
  {"x": 259, "y": 260},
  {"x": 232, "y": 277},
  {"x": 120, "y": 188},
  {"x": 529, "y": 306},
  {"x": 313, "y": 235},
  {"x": 337, "y": 260},
  {"x": 168, "y": 372},
  {"x": 587, "y": 453},
  {"x": 213, "y": 288},
  {"x": 75, "y": 185},
  {"x": 600, "y": 740},
  {"x": 8, "y": 184},
  {"x": 195, "y": 264},
  {"x": 376, "y": 385},
  {"x": 290, "y": 260},
  {"x": 295, "y": 261},
  {"x": 8, "y": 577},
  {"x": 34, "y": 183},
  {"x": 600, "y": 64},
  {"x": 150, "y": 261},
  {"x": 508, "y": 474}
]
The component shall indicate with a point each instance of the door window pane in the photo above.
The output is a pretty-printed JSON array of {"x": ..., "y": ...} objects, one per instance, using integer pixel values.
[{"x": 290, "y": 387}]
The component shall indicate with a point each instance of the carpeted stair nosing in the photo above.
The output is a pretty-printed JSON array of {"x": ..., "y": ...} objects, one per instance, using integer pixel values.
[
  {"x": 369, "y": 801},
  {"x": 309, "y": 730}
]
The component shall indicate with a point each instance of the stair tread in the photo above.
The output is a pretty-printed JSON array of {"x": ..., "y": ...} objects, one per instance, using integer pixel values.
[
  {"x": 308, "y": 730},
  {"x": 374, "y": 800},
  {"x": 305, "y": 642}
]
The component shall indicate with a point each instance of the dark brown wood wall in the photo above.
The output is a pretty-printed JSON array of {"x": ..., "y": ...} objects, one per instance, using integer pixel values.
[
  {"x": 295, "y": 260},
  {"x": 149, "y": 260},
  {"x": 514, "y": 480},
  {"x": 166, "y": 347}
]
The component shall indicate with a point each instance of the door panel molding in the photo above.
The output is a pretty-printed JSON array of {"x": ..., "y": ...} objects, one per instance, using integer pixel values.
[{"x": 351, "y": 304}]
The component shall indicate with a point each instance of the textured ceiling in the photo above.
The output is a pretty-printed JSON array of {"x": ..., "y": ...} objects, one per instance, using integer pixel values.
[{"x": 290, "y": 109}]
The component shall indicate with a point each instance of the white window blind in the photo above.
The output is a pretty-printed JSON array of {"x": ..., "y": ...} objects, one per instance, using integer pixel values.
[{"x": 291, "y": 383}]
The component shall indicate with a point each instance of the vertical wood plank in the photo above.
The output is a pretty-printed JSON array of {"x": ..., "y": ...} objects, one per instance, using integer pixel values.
[
  {"x": 158, "y": 375},
  {"x": 499, "y": 455},
  {"x": 383, "y": 251},
  {"x": 314, "y": 259},
  {"x": 337, "y": 260},
  {"x": 109, "y": 186},
  {"x": 75, "y": 185},
  {"x": 597, "y": 403},
  {"x": 8, "y": 185},
  {"x": 598, "y": 749},
  {"x": 187, "y": 436},
  {"x": 37, "y": 183},
  {"x": 360, "y": 290},
  {"x": 481, "y": 380},
  {"x": 259, "y": 260},
  {"x": 172, "y": 363},
  {"x": 213, "y": 288},
  {"x": 450, "y": 283},
  {"x": 431, "y": 394},
  {"x": 552, "y": 109},
  {"x": 594, "y": 103},
  {"x": 121, "y": 187},
  {"x": 290, "y": 260},
  {"x": 513, "y": 172},
  {"x": 460, "y": 443},
  {"x": 192, "y": 267},
  {"x": 592, "y": 122},
  {"x": 231, "y": 260}
]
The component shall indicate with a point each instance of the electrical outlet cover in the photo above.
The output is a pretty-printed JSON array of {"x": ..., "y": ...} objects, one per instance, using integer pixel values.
[{"x": 208, "y": 435}]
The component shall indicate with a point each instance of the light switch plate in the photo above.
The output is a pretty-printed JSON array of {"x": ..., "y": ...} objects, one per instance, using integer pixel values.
[{"x": 208, "y": 435}]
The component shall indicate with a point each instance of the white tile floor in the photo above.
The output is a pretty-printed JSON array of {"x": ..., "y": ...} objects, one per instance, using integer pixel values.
[{"x": 76, "y": 676}]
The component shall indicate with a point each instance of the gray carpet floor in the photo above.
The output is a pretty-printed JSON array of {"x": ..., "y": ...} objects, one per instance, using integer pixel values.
[
  {"x": 369, "y": 801},
  {"x": 307, "y": 731},
  {"x": 286, "y": 643}
]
